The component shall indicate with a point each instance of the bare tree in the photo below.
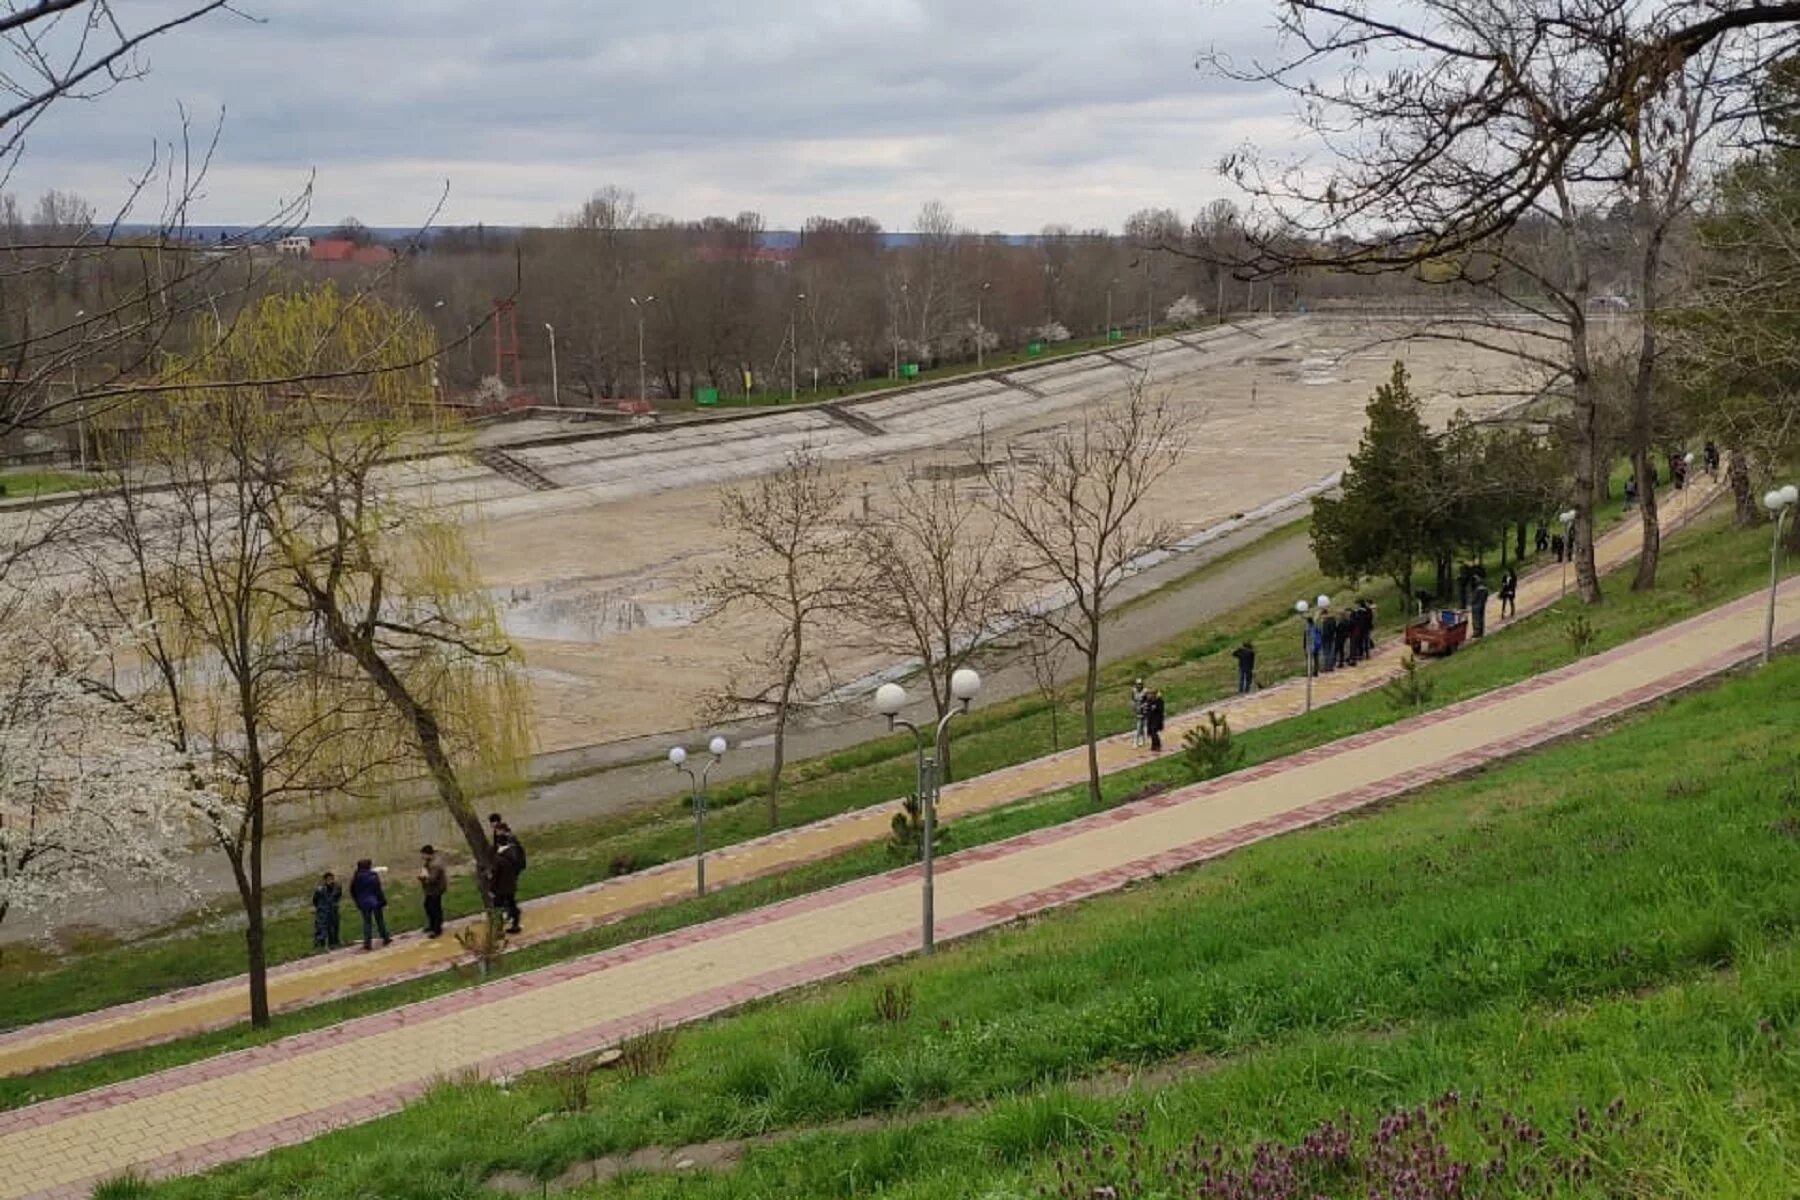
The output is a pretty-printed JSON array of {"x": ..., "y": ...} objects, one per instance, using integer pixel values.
[
  {"x": 1075, "y": 507},
  {"x": 1473, "y": 144},
  {"x": 789, "y": 557},
  {"x": 182, "y": 569},
  {"x": 935, "y": 578}
]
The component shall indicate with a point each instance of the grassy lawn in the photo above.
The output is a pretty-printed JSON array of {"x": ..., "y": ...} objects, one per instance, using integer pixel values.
[
  {"x": 1612, "y": 917},
  {"x": 16, "y": 483},
  {"x": 999, "y": 360},
  {"x": 1515, "y": 653}
]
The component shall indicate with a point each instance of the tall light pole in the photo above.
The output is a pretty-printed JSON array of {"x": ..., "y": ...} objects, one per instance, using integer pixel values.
[
  {"x": 647, "y": 302},
  {"x": 980, "y": 329},
  {"x": 890, "y": 698},
  {"x": 1567, "y": 519},
  {"x": 555, "y": 384},
  {"x": 896, "y": 375},
  {"x": 1778, "y": 502},
  {"x": 697, "y": 792},
  {"x": 1110, "y": 284},
  {"x": 794, "y": 349},
  {"x": 1306, "y": 643},
  {"x": 80, "y": 406}
]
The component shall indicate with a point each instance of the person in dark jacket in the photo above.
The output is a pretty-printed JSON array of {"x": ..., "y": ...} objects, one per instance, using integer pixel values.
[
  {"x": 1478, "y": 607},
  {"x": 370, "y": 900},
  {"x": 1246, "y": 661},
  {"x": 1328, "y": 642},
  {"x": 434, "y": 881},
  {"x": 1154, "y": 713},
  {"x": 509, "y": 858},
  {"x": 1509, "y": 594},
  {"x": 1543, "y": 538},
  {"x": 326, "y": 898}
]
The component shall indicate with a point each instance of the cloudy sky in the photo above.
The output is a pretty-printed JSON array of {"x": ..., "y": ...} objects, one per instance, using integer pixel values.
[{"x": 1016, "y": 113}]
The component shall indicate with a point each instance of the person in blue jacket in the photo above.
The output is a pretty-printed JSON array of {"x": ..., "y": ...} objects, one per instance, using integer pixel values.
[{"x": 370, "y": 899}]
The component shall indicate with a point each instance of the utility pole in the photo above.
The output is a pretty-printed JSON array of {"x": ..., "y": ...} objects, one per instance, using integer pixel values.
[{"x": 980, "y": 329}]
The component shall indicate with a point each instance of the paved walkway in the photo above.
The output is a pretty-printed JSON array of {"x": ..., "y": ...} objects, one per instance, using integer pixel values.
[
  {"x": 251, "y": 1101},
  {"x": 309, "y": 981}
]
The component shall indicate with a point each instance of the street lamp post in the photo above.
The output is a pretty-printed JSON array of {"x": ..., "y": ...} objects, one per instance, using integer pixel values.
[
  {"x": 1687, "y": 481},
  {"x": 794, "y": 349},
  {"x": 1778, "y": 502},
  {"x": 697, "y": 790},
  {"x": 555, "y": 384},
  {"x": 980, "y": 329},
  {"x": 647, "y": 302},
  {"x": 890, "y": 698},
  {"x": 1306, "y": 642},
  {"x": 1109, "y": 289},
  {"x": 1567, "y": 519}
]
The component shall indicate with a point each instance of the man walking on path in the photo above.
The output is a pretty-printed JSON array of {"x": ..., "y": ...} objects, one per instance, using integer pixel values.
[
  {"x": 1154, "y": 714},
  {"x": 371, "y": 901},
  {"x": 325, "y": 900},
  {"x": 434, "y": 881},
  {"x": 1138, "y": 695},
  {"x": 1328, "y": 641},
  {"x": 1478, "y": 607},
  {"x": 1246, "y": 661},
  {"x": 1509, "y": 594}
]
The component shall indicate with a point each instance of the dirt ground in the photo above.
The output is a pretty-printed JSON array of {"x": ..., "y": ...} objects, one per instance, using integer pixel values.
[{"x": 598, "y": 590}]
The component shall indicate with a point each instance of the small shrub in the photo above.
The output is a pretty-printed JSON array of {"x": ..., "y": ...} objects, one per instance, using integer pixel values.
[
  {"x": 1411, "y": 689},
  {"x": 1697, "y": 584},
  {"x": 623, "y": 864},
  {"x": 1580, "y": 632},
  {"x": 129, "y": 1186},
  {"x": 906, "y": 834},
  {"x": 830, "y": 1049},
  {"x": 647, "y": 1053},
  {"x": 569, "y": 1085},
  {"x": 484, "y": 942},
  {"x": 1207, "y": 749},
  {"x": 893, "y": 1003}
]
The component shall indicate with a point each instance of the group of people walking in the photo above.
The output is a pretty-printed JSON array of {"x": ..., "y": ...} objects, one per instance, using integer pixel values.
[
  {"x": 369, "y": 895},
  {"x": 1332, "y": 641}
]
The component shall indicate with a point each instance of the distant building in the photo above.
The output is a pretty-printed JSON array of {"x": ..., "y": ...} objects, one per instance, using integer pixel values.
[
  {"x": 343, "y": 250},
  {"x": 296, "y": 244}
]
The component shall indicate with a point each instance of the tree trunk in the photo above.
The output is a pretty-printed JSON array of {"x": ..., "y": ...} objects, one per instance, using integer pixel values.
[
  {"x": 427, "y": 735},
  {"x": 781, "y": 720},
  {"x": 1089, "y": 693},
  {"x": 1519, "y": 544},
  {"x": 1587, "y": 579},
  {"x": 1743, "y": 502},
  {"x": 256, "y": 955},
  {"x": 1652, "y": 548}
]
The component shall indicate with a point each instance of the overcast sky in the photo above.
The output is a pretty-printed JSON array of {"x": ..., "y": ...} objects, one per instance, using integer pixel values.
[{"x": 1016, "y": 113}]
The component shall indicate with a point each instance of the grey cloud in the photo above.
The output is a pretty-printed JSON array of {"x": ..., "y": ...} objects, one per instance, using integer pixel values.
[{"x": 810, "y": 105}]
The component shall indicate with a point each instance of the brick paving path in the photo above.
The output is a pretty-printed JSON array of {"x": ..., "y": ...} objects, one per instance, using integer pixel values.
[
  {"x": 309, "y": 981},
  {"x": 248, "y": 1102}
]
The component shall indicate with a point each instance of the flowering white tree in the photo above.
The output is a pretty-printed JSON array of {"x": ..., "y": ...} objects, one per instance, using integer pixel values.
[
  {"x": 90, "y": 789},
  {"x": 1053, "y": 332},
  {"x": 1185, "y": 311}
]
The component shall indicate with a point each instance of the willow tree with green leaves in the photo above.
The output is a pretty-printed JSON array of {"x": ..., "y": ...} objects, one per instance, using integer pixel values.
[
  {"x": 382, "y": 572},
  {"x": 322, "y": 562}
]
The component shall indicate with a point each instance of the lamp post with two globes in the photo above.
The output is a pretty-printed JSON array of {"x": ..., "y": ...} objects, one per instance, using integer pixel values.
[
  {"x": 1779, "y": 502},
  {"x": 1306, "y": 643},
  {"x": 890, "y": 698},
  {"x": 697, "y": 783},
  {"x": 1567, "y": 517}
]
